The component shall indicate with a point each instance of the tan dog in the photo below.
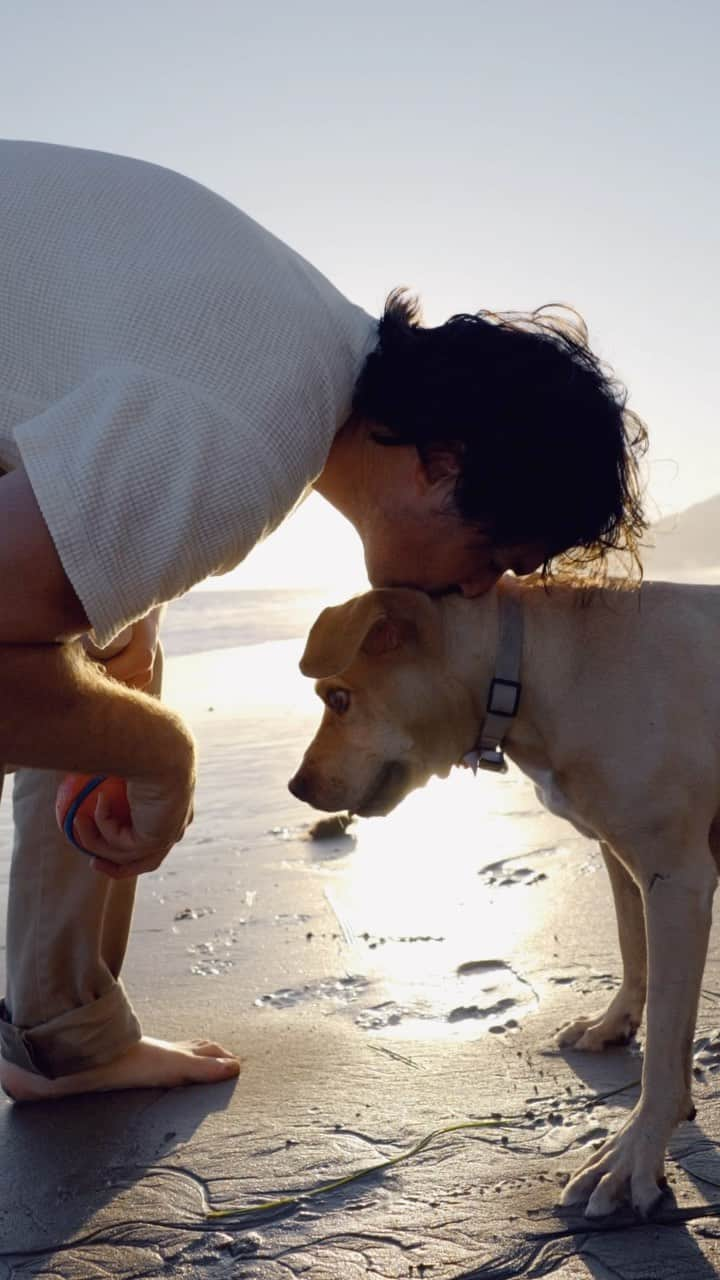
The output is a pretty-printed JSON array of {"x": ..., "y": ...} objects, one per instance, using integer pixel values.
[{"x": 619, "y": 726}]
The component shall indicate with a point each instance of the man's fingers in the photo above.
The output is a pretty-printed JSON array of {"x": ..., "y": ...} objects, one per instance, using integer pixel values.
[
  {"x": 109, "y": 840},
  {"x": 118, "y": 832},
  {"x": 141, "y": 681},
  {"x": 116, "y": 846},
  {"x": 133, "y": 664}
]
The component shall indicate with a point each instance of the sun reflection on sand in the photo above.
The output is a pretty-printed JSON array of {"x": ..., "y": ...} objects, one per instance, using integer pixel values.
[
  {"x": 437, "y": 933},
  {"x": 432, "y": 904},
  {"x": 413, "y": 868}
]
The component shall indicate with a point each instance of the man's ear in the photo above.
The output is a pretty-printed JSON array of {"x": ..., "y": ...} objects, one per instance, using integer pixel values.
[
  {"x": 439, "y": 467},
  {"x": 375, "y": 623}
]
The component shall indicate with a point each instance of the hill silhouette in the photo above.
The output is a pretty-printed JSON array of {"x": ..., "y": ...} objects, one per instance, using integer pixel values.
[{"x": 688, "y": 539}]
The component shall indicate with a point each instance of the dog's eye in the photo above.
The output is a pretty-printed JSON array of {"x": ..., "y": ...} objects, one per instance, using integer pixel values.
[{"x": 338, "y": 700}]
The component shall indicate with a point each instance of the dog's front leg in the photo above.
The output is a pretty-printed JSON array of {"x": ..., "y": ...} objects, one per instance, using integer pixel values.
[
  {"x": 621, "y": 1019},
  {"x": 678, "y": 900}
]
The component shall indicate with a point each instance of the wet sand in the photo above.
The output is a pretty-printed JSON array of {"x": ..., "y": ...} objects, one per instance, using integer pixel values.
[{"x": 402, "y": 978}]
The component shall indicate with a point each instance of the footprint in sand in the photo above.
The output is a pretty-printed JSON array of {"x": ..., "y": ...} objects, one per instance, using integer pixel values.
[
  {"x": 208, "y": 963},
  {"x": 498, "y": 996},
  {"x": 340, "y": 991},
  {"x": 501, "y": 992},
  {"x": 214, "y": 958},
  {"x": 503, "y": 874}
]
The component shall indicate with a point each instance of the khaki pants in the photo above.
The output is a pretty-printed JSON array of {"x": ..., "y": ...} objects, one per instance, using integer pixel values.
[{"x": 65, "y": 1008}]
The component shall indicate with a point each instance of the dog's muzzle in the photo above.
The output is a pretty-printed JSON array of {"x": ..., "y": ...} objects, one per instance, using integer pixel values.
[
  {"x": 390, "y": 786},
  {"x": 301, "y": 786}
]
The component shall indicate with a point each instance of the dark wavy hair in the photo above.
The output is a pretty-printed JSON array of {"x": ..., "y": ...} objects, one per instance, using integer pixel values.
[{"x": 548, "y": 451}]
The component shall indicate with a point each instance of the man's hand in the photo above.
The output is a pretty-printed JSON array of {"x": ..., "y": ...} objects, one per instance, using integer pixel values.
[
  {"x": 57, "y": 711},
  {"x": 60, "y": 712},
  {"x": 131, "y": 657},
  {"x": 157, "y": 809},
  {"x": 120, "y": 850}
]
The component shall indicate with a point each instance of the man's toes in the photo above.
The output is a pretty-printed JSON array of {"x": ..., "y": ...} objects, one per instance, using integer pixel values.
[
  {"x": 209, "y": 1049},
  {"x": 212, "y": 1068}
]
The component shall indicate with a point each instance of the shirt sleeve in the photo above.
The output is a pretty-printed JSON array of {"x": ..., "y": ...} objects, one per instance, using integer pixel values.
[{"x": 148, "y": 485}]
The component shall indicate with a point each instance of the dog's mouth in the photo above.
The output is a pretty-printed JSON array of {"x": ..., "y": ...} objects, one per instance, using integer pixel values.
[{"x": 388, "y": 789}]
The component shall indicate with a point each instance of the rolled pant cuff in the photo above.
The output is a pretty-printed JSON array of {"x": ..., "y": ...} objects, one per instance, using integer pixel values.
[{"x": 86, "y": 1037}]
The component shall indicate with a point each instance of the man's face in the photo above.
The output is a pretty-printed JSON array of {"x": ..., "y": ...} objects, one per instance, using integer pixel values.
[{"x": 414, "y": 538}]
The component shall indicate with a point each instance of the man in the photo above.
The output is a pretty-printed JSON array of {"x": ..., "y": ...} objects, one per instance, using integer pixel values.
[{"x": 172, "y": 380}]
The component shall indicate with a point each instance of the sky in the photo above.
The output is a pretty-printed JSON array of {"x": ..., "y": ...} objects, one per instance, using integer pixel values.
[{"x": 489, "y": 156}]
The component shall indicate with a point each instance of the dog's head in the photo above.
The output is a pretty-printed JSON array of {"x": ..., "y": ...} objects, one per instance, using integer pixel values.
[{"x": 393, "y": 714}]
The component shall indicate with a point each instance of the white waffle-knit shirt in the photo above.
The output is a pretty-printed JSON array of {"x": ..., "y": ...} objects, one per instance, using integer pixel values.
[{"x": 171, "y": 375}]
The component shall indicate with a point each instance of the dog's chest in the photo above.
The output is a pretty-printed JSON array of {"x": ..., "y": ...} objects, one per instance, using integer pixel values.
[{"x": 554, "y": 799}]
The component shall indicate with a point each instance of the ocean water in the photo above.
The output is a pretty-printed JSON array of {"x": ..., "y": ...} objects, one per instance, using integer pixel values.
[{"x": 204, "y": 620}]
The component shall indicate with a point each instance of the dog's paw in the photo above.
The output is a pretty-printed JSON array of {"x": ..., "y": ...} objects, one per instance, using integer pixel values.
[
  {"x": 617, "y": 1025},
  {"x": 628, "y": 1167}
]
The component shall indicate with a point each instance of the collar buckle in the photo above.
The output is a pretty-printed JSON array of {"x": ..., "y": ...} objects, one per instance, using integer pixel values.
[
  {"x": 491, "y": 758},
  {"x": 503, "y": 697},
  {"x": 504, "y": 692}
]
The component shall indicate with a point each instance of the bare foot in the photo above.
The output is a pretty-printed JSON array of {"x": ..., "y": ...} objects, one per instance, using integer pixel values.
[{"x": 149, "y": 1064}]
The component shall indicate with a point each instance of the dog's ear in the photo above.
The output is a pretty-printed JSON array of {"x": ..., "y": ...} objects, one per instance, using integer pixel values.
[
  {"x": 336, "y": 636},
  {"x": 374, "y": 623}
]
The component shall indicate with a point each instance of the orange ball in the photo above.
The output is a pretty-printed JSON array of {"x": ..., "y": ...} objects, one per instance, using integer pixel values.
[{"x": 78, "y": 793}]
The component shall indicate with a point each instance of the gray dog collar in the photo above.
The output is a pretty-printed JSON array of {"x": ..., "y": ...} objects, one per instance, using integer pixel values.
[{"x": 503, "y": 697}]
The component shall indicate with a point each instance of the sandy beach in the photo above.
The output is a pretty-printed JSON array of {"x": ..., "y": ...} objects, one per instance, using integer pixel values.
[{"x": 404, "y": 978}]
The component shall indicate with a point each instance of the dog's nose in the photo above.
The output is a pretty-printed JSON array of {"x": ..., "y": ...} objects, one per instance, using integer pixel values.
[{"x": 299, "y": 786}]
